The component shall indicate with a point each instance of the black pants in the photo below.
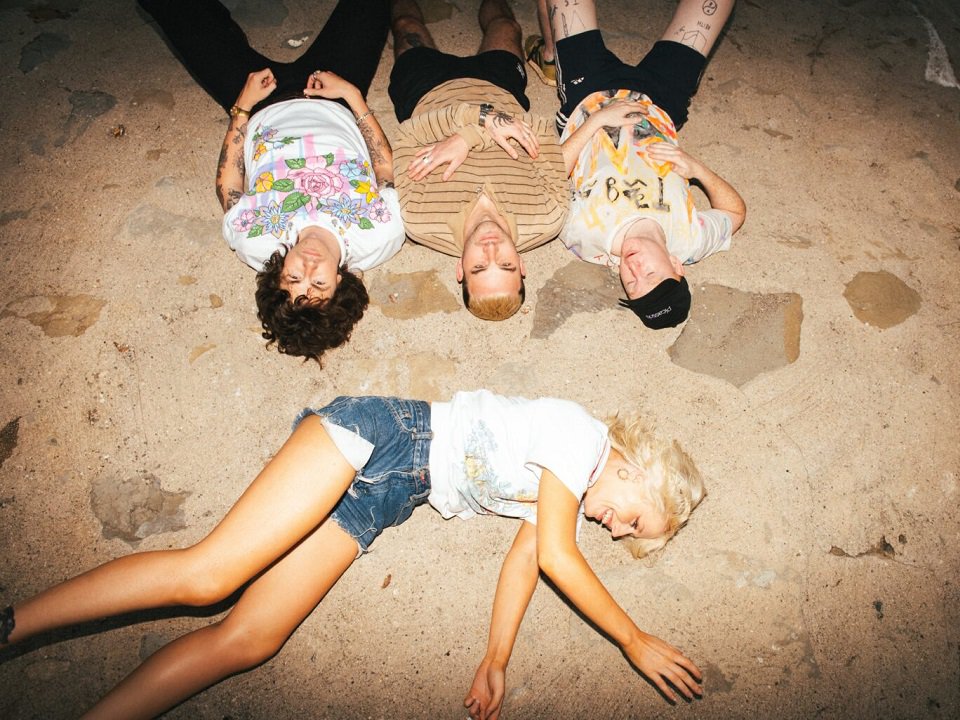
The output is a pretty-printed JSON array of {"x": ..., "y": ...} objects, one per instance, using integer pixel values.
[{"x": 215, "y": 50}]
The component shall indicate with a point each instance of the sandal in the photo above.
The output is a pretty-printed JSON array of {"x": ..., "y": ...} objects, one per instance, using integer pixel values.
[{"x": 546, "y": 70}]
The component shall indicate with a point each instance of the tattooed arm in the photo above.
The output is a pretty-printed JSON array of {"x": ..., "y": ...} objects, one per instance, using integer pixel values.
[
  {"x": 230, "y": 168},
  {"x": 325, "y": 84}
]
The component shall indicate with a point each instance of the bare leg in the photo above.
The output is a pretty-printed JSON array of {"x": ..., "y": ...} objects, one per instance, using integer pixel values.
[
  {"x": 697, "y": 23},
  {"x": 288, "y": 499},
  {"x": 501, "y": 31},
  {"x": 549, "y": 48},
  {"x": 409, "y": 29},
  {"x": 254, "y": 631}
]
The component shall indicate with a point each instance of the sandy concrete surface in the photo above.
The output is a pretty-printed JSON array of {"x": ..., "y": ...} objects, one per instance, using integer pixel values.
[{"x": 816, "y": 383}]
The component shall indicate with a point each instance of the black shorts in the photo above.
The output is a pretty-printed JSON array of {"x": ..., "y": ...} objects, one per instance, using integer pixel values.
[
  {"x": 419, "y": 70},
  {"x": 668, "y": 75}
]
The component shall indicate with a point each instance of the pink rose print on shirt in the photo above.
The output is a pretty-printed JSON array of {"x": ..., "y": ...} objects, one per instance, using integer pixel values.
[{"x": 317, "y": 182}]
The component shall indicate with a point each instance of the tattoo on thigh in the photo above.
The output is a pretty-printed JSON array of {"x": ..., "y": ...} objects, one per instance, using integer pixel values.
[
  {"x": 570, "y": 21},
  {"x": 709, "y": 7},
  {"x": 413, "y": 39}
]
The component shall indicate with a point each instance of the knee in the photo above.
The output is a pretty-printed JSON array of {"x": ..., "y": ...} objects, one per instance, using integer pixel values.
[
  {"x": 200, "y": 584},
  {"x": 503, "y": 26},
  {"x": 403, "y": 25},
  {"x": 247, "y": 644}
]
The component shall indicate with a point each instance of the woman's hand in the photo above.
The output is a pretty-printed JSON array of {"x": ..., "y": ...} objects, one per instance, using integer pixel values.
[
  {"x": 258, "y": 86},
  {"x": 485, "y": 698},
  {"x": 619, "y": 113},
  {"x": 328, "y": 85},
  {"x": 684, "y": 164},
  {"x": 502, "y": 127},
  {"x": 665, "y": 666},
  {"x": 453, "y": 150}
]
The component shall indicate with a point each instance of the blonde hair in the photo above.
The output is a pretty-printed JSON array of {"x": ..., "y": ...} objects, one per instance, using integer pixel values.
[
  {"x": 672, "y": 481},
  {"x": 496, "y": 307}
]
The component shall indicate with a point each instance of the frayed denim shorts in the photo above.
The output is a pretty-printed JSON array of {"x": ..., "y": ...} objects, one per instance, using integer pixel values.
[{"x": 396, "y": 478}]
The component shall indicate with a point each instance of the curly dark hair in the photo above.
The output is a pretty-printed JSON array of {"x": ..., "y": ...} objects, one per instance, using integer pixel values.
[{"x": 303, "y": 327}]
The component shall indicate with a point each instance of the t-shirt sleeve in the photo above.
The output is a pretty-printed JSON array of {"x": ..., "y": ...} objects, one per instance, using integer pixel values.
[
  {"x": 716, "y": 232},
  {"x": 570, "y": 444},
  {"x": 254, "y": 251},
  {"x": 390, "y": 235}
]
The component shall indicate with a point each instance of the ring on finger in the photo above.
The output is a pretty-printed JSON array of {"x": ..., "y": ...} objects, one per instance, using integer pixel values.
[{"x": 425, "y": 159}]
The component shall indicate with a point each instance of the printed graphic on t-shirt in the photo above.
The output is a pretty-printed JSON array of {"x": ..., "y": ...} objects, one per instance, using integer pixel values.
[
  {"x": 339, "y": 186},
  {"x": 494, "y": 492}
]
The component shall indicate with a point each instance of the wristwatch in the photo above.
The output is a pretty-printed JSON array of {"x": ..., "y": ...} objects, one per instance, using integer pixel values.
[{"x": 485, "y": 109}]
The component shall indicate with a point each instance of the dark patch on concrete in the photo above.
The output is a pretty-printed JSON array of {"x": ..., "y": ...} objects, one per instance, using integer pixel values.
[
  {"x": 156, "y": 153},
  {"x": 881, "y": 299},
  {"x": 878, "y": 609},
  {"x": 157, "y": 223},
  {"x": 8, "y": 217},
  {"x": 735, "y": 335},
  {"x": 714, "y": 681},
  {"x": 257, "y": 13},
  {"x": 436, "y": 10},
  {"x": 576, "y": 287},
  {"x": 152, "y": 96},
  {"x": 956, "y": 185},
  {"x": 69, "y": 314},
  {"x": 54, "y": 10},
  {"x": 8, "y": 439},
  {"x": 85, "y": 107},
  {"x": 135, "y": 508},
  {"x": 410, "y": 295},
  {"x": 882, "y": 549},
  {"x": 42, "y": 48}
]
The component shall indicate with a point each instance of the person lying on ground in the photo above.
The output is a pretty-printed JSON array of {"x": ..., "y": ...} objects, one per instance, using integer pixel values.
[
  {"x": 479, "y": 178},
  {"x": 631, "y": 206},
  {"x": 305, "y": 175},
  {"x": 359, "y": 465}
]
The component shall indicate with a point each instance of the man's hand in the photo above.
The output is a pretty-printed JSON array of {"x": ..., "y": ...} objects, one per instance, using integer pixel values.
[
  {"x": 684, "y": 164},
  {"x": 453, "y": 150},
  {"x": 328, "y": 85},
  {"x": 485, "y": 699},
  {"x": 619, "y": 113},
  {"x": 502, "y": 127},
  {"x": 665, "y": 666},
  {"x": 258, "y": 86}
]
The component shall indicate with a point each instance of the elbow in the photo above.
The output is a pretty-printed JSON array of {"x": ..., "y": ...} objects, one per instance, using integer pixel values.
[{"x": 551, "y": 561}]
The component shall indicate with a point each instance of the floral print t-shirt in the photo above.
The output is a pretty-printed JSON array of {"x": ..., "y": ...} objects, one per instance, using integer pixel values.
[
  {"x": 307, "y": 164},
  {"x": 488, "y": 452},
  {"x": 616, "y": 183}
]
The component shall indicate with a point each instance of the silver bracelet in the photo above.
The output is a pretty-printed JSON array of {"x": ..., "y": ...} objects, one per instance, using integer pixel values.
[{"x": 361, "y": 118}]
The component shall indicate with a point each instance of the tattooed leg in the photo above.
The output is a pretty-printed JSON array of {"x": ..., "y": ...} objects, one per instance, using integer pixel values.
[
  {"x": 571, "y": 17},
  {"x": 697, "y": 23},
  {"x": 408, "y": 27}
]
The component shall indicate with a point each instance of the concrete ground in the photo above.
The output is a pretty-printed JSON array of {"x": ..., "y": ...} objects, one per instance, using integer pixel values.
[{"x": 816, "y": 383}]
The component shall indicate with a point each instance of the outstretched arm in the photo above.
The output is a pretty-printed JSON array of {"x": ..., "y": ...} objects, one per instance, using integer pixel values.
[
  {"x": 230, "y": 168},
  {"x": 719, "y": 192},
  {"x": 328, "y": 85},
  {"x": 518, "y": 579},
  {"x": 562, "y": 562}
]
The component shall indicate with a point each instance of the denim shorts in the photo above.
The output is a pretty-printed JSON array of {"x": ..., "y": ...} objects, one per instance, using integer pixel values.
[
  {"x": 419, "y": 70},
  {"x": 668, "y": 75},
  {"x": 396, "y": 478}
]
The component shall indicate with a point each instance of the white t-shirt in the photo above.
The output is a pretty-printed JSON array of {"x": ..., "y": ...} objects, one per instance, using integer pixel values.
[
  {"x": 616, "y": 183},
  {"x": 307, "y": 164},
  {"x": 488, "y": 452}
]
